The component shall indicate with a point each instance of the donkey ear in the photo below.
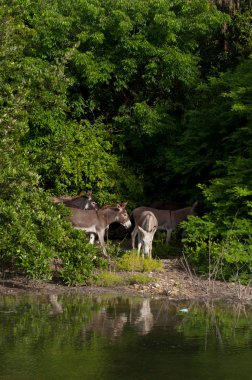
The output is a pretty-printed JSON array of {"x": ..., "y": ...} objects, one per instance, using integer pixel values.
[
  {"x": 195, "y": 204},
  {"x": 89, "y": 194},
  {"x": 154, "y": 229},
  {"x": 56, "y": 199}
]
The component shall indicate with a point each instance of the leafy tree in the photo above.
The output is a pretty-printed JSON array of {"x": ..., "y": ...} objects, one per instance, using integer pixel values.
[
  {"x": 107, "y": 82},
  {"x": 32, "y": 230},
  {"x": 226, "y": 229},
  {"x": 217, "y": 128},
  {"x": 68, "y": 149},
  {"x": 135, "y": 65}
]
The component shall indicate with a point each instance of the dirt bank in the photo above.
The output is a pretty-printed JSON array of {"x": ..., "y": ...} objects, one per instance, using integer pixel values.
[{"x": 173, "y": 283}]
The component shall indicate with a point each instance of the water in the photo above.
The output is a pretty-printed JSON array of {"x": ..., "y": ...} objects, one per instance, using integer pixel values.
[{"x": 111, "y": 337}]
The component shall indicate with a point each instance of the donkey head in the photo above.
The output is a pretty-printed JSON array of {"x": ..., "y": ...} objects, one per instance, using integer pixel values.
[
  {"x": 122, "y": 215},
  {"x": 88, "y": 202},
  {"x": 146, "y": 237}
]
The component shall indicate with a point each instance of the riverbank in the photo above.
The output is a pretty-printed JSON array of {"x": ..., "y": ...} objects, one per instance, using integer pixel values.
[{"x": 174, "y": 282}]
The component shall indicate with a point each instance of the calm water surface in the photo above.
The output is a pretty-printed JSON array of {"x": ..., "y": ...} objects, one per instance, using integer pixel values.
[{"x": 111, "y": 337}]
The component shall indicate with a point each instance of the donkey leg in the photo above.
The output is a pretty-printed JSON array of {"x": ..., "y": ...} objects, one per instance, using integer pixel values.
[
  {"x": 150, "y": 252},
  {"x": 133, "y": 236},
  {"x": 153, "y": 234},
  {"x": 92, "y": 238},
  {"x": 139, "y": 246},
  {"x": 102, "y": 242},
  {"x": 168, "y": 236}
]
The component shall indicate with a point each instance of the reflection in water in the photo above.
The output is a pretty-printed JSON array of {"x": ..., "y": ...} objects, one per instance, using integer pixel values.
[
  {"x": 108, "y": 337},
  {"x": 111, "y": 325},
  {"x": 107, "y": 326},
  {"x": 56, "y": 306},
  {"x": 111, "y": 315},
  {"x": 145, "y": 320}
]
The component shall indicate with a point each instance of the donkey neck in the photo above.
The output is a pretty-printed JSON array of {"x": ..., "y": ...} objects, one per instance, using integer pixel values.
[
  {"x": 109, "y": 215},
  {"x": 181, "y": 214}
]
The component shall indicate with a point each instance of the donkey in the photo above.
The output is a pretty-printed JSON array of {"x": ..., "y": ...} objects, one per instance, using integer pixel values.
[
  {"x": 83, "y": 202},
  {"x": 97, "y": 221},
  {"x": 147, "y": 225},
  {"x": 167, "y": 219}
]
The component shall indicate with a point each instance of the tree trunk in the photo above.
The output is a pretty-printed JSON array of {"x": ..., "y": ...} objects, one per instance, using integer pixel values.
[{"x": 229, "y": 6}]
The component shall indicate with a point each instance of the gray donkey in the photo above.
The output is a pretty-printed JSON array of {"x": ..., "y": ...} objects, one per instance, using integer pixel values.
[
  {"x": 97, "y": 221},
  {"x": 147, "y": 225},
  {"x": 167, "y": 219},
  {"x": 84, "y": 202}
]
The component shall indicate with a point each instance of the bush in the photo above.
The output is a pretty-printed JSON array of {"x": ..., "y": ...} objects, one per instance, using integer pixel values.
[
  {"x": 162, "y": 250},
  {"x": 221, "y": 253},
  {"x": 114, "y": 249},
  {"x": 79, "y": 260}
]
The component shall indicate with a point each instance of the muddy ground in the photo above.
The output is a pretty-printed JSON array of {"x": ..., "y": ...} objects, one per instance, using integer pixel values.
[{"x": 175, "y": 283}]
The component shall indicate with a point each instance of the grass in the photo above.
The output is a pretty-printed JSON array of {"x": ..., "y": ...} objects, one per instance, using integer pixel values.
[
  {"x": 108, "y": 279},
  {"x": 131, "y": 261},
  {"x": 139, "y": 278}
]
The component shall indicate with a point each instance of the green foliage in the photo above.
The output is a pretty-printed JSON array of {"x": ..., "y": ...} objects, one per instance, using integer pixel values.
[
  {"x": 33, "y": 231},
  {"x": 225, "y": 231},
  {"x": 238, "y": 35},
  {"x": 91, "y": 115},
  {"x": 68, "y": 149},
  {"x": 220, "y": 243},
  {"x": 221, "y": 259},
  {"x": 139, "y": 278},
  {"x": 114, "y": 249},
  {"x": 220, "y": 127},
  {"x": 108, "y": 279},
  {"x": 78, "y": 263},
  {"x": 74, "y": 116},
  {"x": 162, "y": 250},
  {"x": 74, "y": 156},
  {"x": 131, "y": 261}
]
